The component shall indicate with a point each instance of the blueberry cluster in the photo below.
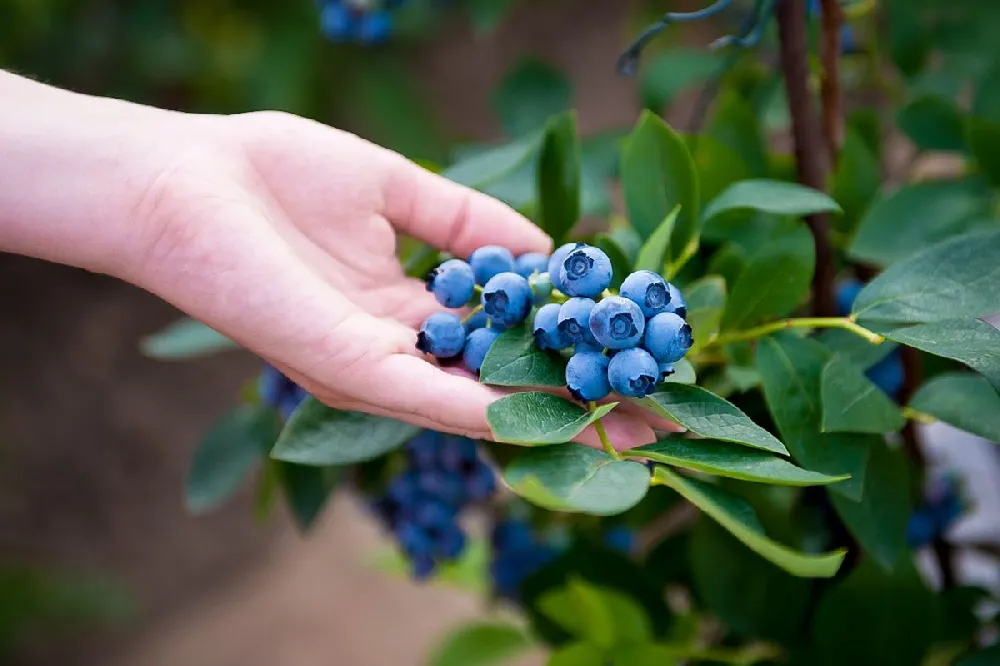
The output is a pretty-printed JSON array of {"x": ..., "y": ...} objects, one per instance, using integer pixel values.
[
  {"x": 943, "y": 505},
  {"x": 517, "y": 554},
  {"x": 279, "y": 392},
  {"x": 626, "y": 342},
  {"x": 444, "y": 475},
  {"x": 367, "y": 22}
]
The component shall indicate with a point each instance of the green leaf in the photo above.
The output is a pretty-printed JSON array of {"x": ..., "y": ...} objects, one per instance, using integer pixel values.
[
  {"x": 683, "y": 373},
  {"x": 539, "y": 418},
  {"x": 735, "y": 124},
  {"x": 878, "y": 520},
  {"x": 739, "y": 519},
  {"x": 915, "y": 216},
  {"x": 515, "y": 360},
  {"x": 855, "y": 181},
  {"x": 718, "y": 166},
  {"x": 559, "y": 177},
  {"x": 487, "y": 15},
  {"x": 963, "y": 400},
  {"x": 973, "y": 342},
  {"x": 529, "y": 94},
  {"x": 730, "y": 460},
  {"x": 932, "y": 123},
  {"x": 667, "y": 74},
  {"x": 486, "y": 167},
  {"x": 481, "y": 644},
  {"x": 307, "y": 490},
  {"x": 774, "y": 282},
  {"x": 706, "y": 414},
  {"x": 602, "y": 616},
  {"x": 620, "y": 264},
  {"x": 658, "y": 174},
  {"x": 872, "y": 617},
  {"x": 578, "y": 654},
  {"x": 234, "y": 445},
  {"x": 320, "y": 435},
  {"x": 984, "y": 142},
  {"x": 654, "y": 251},
  {"x": 853, "y": 348},
  {"x": 852, "y": 403},
  {"x": 771, "y": 196},
  {"x": 706, "y": 301},
  {"x": 185, "y": 339},
  {"x": 650, "y": 654},
  {"x": 791, "y": 369},
  {"x": 955, "y": 278},
  {"x": 577, "y": 478}
]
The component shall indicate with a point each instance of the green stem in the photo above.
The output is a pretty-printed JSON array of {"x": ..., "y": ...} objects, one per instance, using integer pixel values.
[
  {"x": 603, "y": 434},
  {"x": 918, "y": 416},
  {"x": 845, "y": 323},
  {"x": 472, "y": 313}
]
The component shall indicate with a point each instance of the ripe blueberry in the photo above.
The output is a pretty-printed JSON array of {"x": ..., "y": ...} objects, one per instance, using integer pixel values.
[
  {"x": 442, "y": 335},
  {"x": 617, "y": 323},
  {"x": 507, "y": 298},
  {"x": 574, "y": 321},
  {"x": 490, "y": 260},
  {"x": 532, "y": 262},
  {"x": 546, "y": 327},
  {"x": 476, "y": 346},
  {"x": 648, "y": 290},
  {"x": 587, "y": 376},
  {"x": 337, "y": 22},
  {"x": 677, "y": 304},
  {"x": 556, "y": 262},
  {"x": 452, "y": 283},
  {"x": 633, "y": 373},
  {"x": 586, "y": 272},
  {"x": 666, "y": 369},
  {"x": 668, "y": 337},
  {"x": 374, "y": 27},
  {"x": 847, "y": 293}
]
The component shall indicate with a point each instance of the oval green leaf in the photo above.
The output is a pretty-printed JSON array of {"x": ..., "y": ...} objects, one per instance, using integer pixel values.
[
  {"x": 933, "y": 123},
  {"x": 730, "y": 460},
  {"x": 852, "y": 403},
  {"x": 962, "y": 399},
  {"x": 321, "y": 435},
  {"x": 559, "y": 166},
  {"x": 577, "y": 479},
  {"x": 492, "y": 164},
  {"x": 706, "y": 414},
  {"x": 481, "y": 644},
  {"x": 654, "y": 251},
  {"x": 973, "y": 342},
  {"x": 533, "y": 418},
  {"x": 515, "y": 360},
  {"x": 739, "y": 518},
  {"x": 771, "y": 196}
]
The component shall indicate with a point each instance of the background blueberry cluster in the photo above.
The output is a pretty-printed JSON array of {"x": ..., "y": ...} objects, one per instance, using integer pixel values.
[{"x": 367, "y": 22}]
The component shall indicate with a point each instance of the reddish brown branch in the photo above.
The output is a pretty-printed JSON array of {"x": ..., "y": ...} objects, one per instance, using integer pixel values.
[
  {"x": 831, "y": 92},
  {"x": 810, "y": 158}
]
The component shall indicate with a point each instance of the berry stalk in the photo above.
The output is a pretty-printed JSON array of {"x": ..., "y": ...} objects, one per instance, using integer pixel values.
[{"x": 603, "y": 434}]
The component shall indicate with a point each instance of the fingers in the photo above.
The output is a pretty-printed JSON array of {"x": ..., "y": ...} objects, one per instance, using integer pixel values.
[{"x": 454, "y": 217}]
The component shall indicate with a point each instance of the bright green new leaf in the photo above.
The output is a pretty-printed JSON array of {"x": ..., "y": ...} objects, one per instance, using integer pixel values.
[
  {"x": 185, "y": 339},
  {"x": 963, "y": 400},
  {"x": 577, "y": 479},
  {"x": 791, "y": 370},
  {"x": 515, "y": 360},
  {"x": 529, "y": 94},
  {"x": 852, "y": 403},
  {"x": 971, "y": 341},
  {"x": 559, "y": 177},
  {"x": 878, "y": 519},
  {"x": 654, "y": 250},
  {"x": 539, "y": 418},
  {"x": 771, "y": 196},
  {"x": 603, "y": 616},
  {"x": 731, "y": 460},
  {"x": 307, "y": 489},
  {"x": 953, "y": 279},
  {"x": 917, "y": 215},
  {"x": 706, "y": 414},
  {"x": 774, "y": 282},
  {"x": 933, "y": 123},
  {"x": 739, "y": 519},
  {"x": 481, "y": 644},
  {"x": 657, "y": 175},
  {"x": 234, "y": 445},
  {"x": 486, "y": 167},
  {"x": 320, "y": 435}
]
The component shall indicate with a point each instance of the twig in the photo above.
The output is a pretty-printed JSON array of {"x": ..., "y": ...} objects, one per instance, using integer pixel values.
[
  {"x": 830, "y": 89},
  {"x": 844, "y": 323},
  {"x": 807, "y": 136}
]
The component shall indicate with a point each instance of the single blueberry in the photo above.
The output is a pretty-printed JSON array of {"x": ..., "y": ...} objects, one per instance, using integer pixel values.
[
  {"x": 445, "y": 488},
  {"x": 666, "y": 369},
  {"x": 587, "y": 376},
  {"x": 481, "y": 484},
  {"x": 556, "y": 262},
  {"x": 422, "y": 566},
  {"x": 452, "y": 283},
  {"x": 648, "y": 290},
  {"x": 449, "y": 543},
  {"x": 620, "y": 538},
  {"x": 668, "y": 337},
  {"x": 888, "y": 373},
  {"x": 507, "y": 298},
  {"x": 921, "y": 529},
  {"x": 512, "y": 535},
  {"x": 574, "y": 321},
  {"x": 847, "y": 293},
  {"x": 532, "y": 262},
  {"x": 442, "y": 335},
  {"x": 490, "y": 260},
  {"x": 476, "y": 346},
  {"x": 374, "y": 27},
  {"x": 424, "y": 450},
  {"x": 338, "y": 22},
  {"x": 633, "y": 373},
  {"x": 617, "y": 323},
  {"x": 546, "y": 327},
  {"x": 586, "y": 272},
  {"x": 677, "y": 304}
]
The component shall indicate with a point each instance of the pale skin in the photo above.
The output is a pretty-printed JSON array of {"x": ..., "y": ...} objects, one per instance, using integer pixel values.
[{"x": 277, "y": 231}]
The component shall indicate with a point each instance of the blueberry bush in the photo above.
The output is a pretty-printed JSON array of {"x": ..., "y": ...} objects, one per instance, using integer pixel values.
[{"x": 790, "y": 311}]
